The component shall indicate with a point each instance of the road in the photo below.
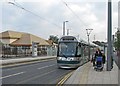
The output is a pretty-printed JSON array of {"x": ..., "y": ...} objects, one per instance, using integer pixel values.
[{"x": 45, "y": 72}]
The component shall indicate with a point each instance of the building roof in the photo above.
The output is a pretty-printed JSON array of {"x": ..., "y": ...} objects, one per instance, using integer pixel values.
[
  {"x": 22, "y": 38},
  {"x": 50, "y": 42},
  {"x": 27, "y": 39},
  {"x": 11, "y": 34}
]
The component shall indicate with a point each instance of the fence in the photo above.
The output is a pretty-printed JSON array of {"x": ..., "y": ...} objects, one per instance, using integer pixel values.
[{"x": 20, "y": 51}]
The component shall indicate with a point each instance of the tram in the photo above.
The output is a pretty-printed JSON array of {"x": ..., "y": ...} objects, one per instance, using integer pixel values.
[{"x": 72, "y": 52}]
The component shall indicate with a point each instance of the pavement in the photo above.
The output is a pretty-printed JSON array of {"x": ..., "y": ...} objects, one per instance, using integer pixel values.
[
  {"x": 87, "y": 75},
  {"x": 19, "y": 60}
]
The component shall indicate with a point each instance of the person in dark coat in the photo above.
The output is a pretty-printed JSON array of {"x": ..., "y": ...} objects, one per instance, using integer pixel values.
[
  {"x": 104, "y": 58},
  {"x": 97, "y": 53}
]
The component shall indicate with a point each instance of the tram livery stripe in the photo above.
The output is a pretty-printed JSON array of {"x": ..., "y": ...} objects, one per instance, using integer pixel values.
[{"x": 68, "y": 62}]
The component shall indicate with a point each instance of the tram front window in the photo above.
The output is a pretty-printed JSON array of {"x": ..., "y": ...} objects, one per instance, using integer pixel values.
[{"x": 67, "y": 49}]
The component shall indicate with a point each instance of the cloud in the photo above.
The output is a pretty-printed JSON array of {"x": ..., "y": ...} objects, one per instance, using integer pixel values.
[
  {"x": 51, "y": 15},
  {"x": 1, "y": 16},
  {"x": 88, "y": 19}
]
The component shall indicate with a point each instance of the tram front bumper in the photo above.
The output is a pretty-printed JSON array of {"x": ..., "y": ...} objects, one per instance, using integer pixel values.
[{"x": 68, "y": 64}]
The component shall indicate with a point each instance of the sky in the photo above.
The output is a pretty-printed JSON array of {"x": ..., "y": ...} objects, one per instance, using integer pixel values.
[{"x": 45, "y": 17}]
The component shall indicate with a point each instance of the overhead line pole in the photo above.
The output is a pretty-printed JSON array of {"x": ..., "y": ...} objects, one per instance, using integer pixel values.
[
  {"x": 109, "y": 38},
  {"x": 67, "y": 32},
  {"x": 88, "y": 34},
  {"x": 64, "y": 27}
]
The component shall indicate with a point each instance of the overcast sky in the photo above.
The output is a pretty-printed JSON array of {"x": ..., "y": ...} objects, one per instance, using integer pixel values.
[{"x": 49, "y": 15}]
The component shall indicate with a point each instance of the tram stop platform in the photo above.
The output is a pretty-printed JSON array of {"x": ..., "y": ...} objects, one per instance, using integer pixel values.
[{"x": 87, "y": 75}]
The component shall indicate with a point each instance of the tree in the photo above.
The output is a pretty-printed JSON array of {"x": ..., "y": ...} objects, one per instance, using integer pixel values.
[
  {"x": 117, "y": 41},
  {"x": 54, "y": 38},
  {"x": 1, "y": 43}
]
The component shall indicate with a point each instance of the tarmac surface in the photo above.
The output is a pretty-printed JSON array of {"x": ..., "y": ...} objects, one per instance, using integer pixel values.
[
  {"x": 84, "y": 74},
  {"x": 41, "y": 72}
]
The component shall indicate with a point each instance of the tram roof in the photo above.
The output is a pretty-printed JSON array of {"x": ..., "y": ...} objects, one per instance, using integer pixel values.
[
  {"x": 86, "y": 43},
  {"x": 68, "y": 38},
  {"x": 92, "y": 44},
  {"x": 100, "y": 43},
  {"x": 83, "y": 41},
  {"x": 75, "y": 39}
]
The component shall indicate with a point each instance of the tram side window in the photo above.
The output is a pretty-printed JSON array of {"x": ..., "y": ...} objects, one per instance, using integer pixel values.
[
  {"x": 91, "y": 51},
  {"x": 79, "y": 51},
  {"x": 86, "y": 51}
]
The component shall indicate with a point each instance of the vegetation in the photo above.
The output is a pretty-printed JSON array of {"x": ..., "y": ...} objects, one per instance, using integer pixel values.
[
  {"x": 54, "y": 39},
  {"x": 117, "y": 41},
  {"x": 1, "y": 43}
]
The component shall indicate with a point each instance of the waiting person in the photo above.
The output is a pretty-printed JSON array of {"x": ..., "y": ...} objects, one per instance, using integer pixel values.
[
  {"x": 97, "y": 53},
  {"x": 104, "y": 57},
  {"x": 93, "y": 60}
]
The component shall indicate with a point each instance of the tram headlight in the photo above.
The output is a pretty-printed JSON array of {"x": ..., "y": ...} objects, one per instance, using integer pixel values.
[
  {"x": 75, "y": 59},
  {"x": 59, "y": 58},
  {"x": 71, "y": 59}
]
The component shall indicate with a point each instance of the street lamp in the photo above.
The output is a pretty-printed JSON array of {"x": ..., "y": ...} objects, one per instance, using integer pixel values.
[
  {"x": 88, "y": 34},
  {"x": 64, "y": 27}
]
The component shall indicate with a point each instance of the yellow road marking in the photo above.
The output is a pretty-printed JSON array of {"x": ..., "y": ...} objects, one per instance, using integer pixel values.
[{"x": 62, "y": 81}]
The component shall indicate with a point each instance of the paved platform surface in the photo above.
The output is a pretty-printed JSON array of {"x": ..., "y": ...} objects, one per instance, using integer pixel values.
[{"x": 87, "y": 75}]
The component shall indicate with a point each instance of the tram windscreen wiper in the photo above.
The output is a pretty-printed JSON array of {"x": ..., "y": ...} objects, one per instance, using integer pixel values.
[{"x": 63, "y": 55}]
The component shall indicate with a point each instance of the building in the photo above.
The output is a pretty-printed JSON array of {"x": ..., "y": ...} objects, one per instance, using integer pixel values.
[{"x": 20, "y": 44}]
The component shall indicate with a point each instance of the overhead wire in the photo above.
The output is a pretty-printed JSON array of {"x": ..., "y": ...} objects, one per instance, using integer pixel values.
[
  {"x": 75, "y": 14},
  {"x": 19, "y": 6}
]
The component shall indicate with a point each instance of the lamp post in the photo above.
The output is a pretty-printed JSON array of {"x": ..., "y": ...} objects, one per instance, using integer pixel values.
[
  {"x": 88, "y": 34},
  {"x": 64, "y": 27}
]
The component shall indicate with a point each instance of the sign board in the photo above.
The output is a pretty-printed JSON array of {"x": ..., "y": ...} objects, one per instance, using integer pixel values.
[{"x": 34, "y": 48}]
